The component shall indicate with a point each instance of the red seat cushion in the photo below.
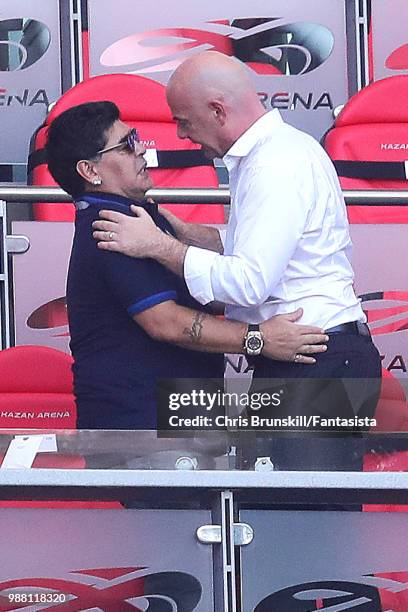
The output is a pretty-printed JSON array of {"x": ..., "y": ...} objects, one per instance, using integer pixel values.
[{"x": 371, "y": 121}]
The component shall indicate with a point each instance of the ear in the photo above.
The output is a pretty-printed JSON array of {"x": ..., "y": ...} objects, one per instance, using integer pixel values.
[
  {"x": 218, "y": 108},
  {"x": 87, "y": 170}
]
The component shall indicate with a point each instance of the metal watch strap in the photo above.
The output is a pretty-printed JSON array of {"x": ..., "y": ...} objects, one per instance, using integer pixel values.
[{"x": 253, "y": 327}]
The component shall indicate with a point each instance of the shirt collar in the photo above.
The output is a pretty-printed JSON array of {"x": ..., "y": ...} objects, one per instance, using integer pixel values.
[
  {"x": 109, "y": 200},
  {"x": 251, "y": 136},
  {"x": 113, "y": 201}
]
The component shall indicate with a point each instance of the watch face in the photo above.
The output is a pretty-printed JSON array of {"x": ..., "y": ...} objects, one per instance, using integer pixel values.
[{"x": 254, "y": 343}]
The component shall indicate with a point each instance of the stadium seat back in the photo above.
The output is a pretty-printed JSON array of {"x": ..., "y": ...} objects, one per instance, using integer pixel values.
[
  {"x": 36, "y": 392},
  {"x": 36, "y": 389},
  {"x": 142, "y": 104},
  {"x": 373, "y": 127}
]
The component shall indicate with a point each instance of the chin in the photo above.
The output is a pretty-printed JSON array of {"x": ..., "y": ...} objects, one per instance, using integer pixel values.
[
  {"x": 136, "y": 196},
  {"x": 209, "y": 153},
  {"x": 148, "y": 185}
]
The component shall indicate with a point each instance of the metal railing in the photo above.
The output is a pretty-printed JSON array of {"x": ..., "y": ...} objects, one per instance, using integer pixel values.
[
  {"x": 19, "y": 244},
  {"x": 391, "y": 197}
]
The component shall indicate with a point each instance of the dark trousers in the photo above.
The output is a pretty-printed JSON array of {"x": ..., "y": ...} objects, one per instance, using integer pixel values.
[{"x": 345, "y": 382}]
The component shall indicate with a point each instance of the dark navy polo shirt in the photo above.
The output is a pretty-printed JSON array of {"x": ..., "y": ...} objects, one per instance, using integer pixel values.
[{"x": 116, "y": 361}]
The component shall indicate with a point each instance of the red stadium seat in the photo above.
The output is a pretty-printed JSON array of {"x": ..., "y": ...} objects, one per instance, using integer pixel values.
[
  {"x": 392, "y": 416},
  {"x": 36, "y": 389},
  {"x": 36, "y": 381},
  {"x": 142, "y": 104},
  {"x": 36, "y": 392},
  {"x": 373, "y": 128}
]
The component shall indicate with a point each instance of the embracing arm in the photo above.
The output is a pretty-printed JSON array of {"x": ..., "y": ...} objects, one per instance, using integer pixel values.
[
  {"x": 195, "y": 330},
  {"x": 138, "y": 236},
  {"x": 192, "y": 329},
  {"x": 194, "y": 234},
  {"x": 273, "y": 214}
]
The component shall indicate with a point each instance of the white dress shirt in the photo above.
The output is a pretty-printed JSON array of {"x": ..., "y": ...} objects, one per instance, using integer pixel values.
[{"x": 287, "y": 243}]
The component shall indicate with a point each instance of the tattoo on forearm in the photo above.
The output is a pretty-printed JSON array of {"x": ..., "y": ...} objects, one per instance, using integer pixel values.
[{"x": 194, "y": 332}]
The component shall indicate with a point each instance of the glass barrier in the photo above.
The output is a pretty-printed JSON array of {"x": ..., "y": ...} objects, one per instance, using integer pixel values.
[
  {"x": 111, "y": 449},
  {"x": 237, "y": 423},
  {"x": 245, "y": 450}
]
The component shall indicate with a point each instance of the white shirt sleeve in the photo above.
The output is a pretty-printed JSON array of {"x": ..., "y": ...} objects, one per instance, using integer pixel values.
[
  {"x": 271, "y": 217},
  {"x": 197, "y": 273}
]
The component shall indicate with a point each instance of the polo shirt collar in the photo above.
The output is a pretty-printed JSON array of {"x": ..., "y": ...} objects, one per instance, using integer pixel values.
[
  {"x": 112, "y": 201},
  {"x": 102, "y": 199},
  {"x": 251, "y": 137}
]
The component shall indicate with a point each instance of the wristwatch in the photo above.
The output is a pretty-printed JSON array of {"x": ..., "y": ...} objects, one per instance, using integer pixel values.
[{"x": 253, "y": 341}]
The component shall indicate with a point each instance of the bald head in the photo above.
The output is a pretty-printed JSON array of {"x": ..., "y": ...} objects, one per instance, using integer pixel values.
[
  {"x": 213, "y": 73},
  {"x": 214, "y": 83}
]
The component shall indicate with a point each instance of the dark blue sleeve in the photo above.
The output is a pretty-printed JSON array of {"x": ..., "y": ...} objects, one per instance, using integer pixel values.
[{"x": 138, "y": 284}]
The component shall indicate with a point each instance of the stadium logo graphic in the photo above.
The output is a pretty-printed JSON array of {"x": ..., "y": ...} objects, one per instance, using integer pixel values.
[
  {"x": 388, "y": 319},
  {"x": 49, "y": 316},
  {"x": 268, "y": 45},
  {"x": 116, "y": 588},
  {"x": 26, "y": 97},
  {"x": 384, "y": 592},
  {"x": 394, "y": 146},
  {"x": 26, "y": 41},
  {"x": 398, "y": 59},
  {"x": 382, "y": 320},
  {"x": 286, "y": 100}
]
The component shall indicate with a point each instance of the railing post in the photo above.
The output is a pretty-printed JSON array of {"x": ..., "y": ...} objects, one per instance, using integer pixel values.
[{"x": 4, "y": 280}]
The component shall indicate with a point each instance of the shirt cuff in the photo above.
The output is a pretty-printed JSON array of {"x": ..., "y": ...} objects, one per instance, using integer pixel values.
[
  {"x": 197, "y": 273},
  {"x": 150, "y": 301}
]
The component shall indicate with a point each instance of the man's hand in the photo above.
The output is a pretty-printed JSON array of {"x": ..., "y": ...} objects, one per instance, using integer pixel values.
[
  {"x": 136, "y": 236},
  {"x": 287, "y": 341}
]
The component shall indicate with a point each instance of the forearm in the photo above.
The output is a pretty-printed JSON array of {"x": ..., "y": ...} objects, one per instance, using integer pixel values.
[
  {"x": 195, "y": 234},
  {"x": 201, "y": 236},
  {"x": 169, "y": 252},
  {"x": 199, "y": 331}
]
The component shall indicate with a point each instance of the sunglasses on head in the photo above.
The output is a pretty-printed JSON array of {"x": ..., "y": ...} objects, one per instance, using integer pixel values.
[{"x": 129, "y": 142}]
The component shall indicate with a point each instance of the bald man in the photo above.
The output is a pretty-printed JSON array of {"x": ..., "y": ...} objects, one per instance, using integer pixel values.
[{"x": 287, "y": 241}]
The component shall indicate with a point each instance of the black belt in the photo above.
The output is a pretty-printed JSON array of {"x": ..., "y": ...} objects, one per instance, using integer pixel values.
[{"x": 356, "y": 327}]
